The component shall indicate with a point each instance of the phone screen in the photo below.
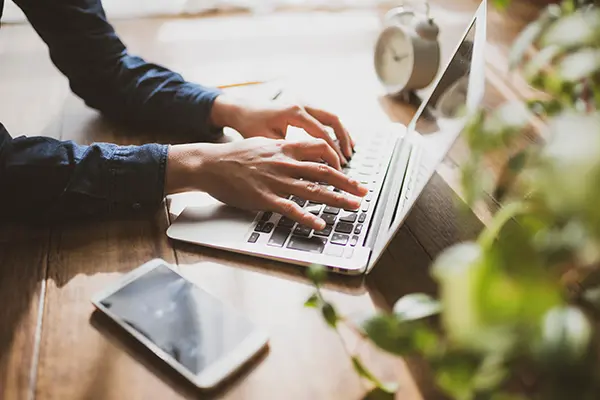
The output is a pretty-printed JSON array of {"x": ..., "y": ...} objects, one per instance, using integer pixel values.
[{"x": 184, "y": 321}]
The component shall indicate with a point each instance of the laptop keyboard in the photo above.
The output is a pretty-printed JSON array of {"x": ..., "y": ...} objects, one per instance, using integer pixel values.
[{"x": 345, "y": 229}]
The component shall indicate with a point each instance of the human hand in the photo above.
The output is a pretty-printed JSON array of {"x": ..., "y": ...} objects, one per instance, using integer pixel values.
[
  {"x": 259, "y": 174},
  {"x": 272, "y": 119}
]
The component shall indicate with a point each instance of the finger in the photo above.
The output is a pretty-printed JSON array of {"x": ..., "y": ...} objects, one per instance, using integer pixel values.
[
  {"x": 315, "y": 172},
  {"x": 293, "y": 211},
  {"x": 304, "y": 120},
  {"x": 315, "y": 150},
  {"x": 321, "y": 194},
  {"x": 333, "y": 121}
]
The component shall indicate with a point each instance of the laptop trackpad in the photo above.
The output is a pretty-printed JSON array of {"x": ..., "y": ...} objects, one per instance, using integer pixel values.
[{"x": 211, "y": 224}]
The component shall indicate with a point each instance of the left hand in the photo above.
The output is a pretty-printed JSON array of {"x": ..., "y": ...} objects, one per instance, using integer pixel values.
[{"x": 272, "y": 119}]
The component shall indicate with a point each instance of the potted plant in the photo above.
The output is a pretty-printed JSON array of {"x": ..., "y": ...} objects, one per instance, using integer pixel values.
[{"x": 517, "y": 313}]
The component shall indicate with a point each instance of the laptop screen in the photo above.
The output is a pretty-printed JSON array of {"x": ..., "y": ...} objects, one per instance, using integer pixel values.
[
  {"x": 439, "y": 121},
  {"x": 443, "y": 115}
]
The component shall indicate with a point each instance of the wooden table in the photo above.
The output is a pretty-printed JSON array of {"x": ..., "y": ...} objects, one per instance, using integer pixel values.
[{"x": 51, "y": 345}]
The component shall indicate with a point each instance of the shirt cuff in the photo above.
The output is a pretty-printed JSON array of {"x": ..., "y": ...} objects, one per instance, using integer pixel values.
[
  {"x": 137, "y": 176},
  {"x": 195, "y": 103}
]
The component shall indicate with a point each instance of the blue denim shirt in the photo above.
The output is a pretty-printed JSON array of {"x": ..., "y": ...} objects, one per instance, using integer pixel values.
[{"x": 43, "y": 179}]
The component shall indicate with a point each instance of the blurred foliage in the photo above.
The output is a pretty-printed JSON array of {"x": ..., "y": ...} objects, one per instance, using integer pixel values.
[{"x": 518, "y": 309}]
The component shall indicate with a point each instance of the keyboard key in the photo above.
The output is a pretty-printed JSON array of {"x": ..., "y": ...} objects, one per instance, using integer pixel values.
[
  {"x": 358, "y": 229},
  {"x": 354, "y": 241},
  {"x": 298, "y": 200},
  {"x": 331, "y": 210},
  {"x": 365, "y": 206},
  {"x": 362, "y": 218},
  {"x": 302, "y": 230},
  {"x": 259, "y": 226},
  {"x": 348, "y": 217},
  {"x": 280, "y": 234},
  {"x": 313, "y": 244},
  {"x": 254, "y": 237},
  {"x": 329, "y": 219},
  {"x": 266, "y": 216},
  {"x": 369, "y": 197},
  {"x": 314, "y": 203},
  {"x": 348, "y": 252},
  {"x": 325, "y": 232},
  {"x": 335, "y": 251},
  {"x": 340, "y": 239},
  {"x": 286, "y": 222},
  {"x": 268, "y": 227},
  {"x": 314, "y": 209},
  {"x": 344, "y": 227}
]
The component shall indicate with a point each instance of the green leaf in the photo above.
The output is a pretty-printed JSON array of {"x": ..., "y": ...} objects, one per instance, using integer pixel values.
[
  {"x": 386, "y": 333},
  {"x": 579, "y": 29},
  {"x": 313, "y": 301},
  {"x": 389, "y": 334},
  {"x": 571, "y": 161},
  {"x": 545, "y": 107},
  {"x": 539, "y": 62},
  {"x": 501, "y": 4},
  {"x": 330, "y": 314},
  {"x": 317, "y": 274},
  {"x": 566, "y": 337},
  {"x": 379, "y": 394},
  {"x": 456, "y": 260},
  {"x": 579, "y": 65},
  {"x": 455, "y": 372},
  {"x": 592, "y": 296},
  {"x": 491, "y": 373},
  {"x": 416, "y": 306},
  {"x": 508, "y": 396},
  {"x": 400, "y": 337},
  {"x": 362, "y": 371},
  {"x": 529, "y": 37}
]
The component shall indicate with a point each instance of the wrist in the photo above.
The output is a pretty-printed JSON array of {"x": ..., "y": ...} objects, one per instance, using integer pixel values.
[
  {"x": 185, "y": 166},
  {"x": 226, "y": 112}
]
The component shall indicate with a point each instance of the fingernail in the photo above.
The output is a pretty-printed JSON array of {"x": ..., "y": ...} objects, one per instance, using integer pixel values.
[{"x": 321, "y": 224}]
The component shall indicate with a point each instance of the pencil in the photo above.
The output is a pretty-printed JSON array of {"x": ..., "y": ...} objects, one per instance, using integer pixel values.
[{"x": 231, "y": 85}]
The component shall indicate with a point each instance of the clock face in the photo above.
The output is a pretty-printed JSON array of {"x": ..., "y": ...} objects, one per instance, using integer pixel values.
[{"x": 394, "y": 58}]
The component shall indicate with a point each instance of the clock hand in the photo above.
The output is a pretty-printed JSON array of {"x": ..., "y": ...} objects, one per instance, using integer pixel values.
[
  {"x": 399, "y": 58},
  {"x": 395, "y": 55}
]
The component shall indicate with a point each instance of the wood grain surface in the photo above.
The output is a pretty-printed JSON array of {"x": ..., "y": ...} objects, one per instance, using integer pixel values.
[{"x": 52, "y": 344}]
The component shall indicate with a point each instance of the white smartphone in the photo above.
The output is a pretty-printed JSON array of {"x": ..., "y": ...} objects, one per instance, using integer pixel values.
[{"x": 195, "y": 333}]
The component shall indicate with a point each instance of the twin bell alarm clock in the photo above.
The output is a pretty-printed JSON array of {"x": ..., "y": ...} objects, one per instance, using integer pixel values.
[{"x": 407, "y": 53}]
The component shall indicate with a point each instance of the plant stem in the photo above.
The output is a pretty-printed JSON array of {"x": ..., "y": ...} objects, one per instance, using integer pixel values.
[{"x": 506, "y": 213}]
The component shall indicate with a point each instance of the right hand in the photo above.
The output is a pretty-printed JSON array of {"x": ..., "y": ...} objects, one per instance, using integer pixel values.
[{"x": 259, "y": 174}]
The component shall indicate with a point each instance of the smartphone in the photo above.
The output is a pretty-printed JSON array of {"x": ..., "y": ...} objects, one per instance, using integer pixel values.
[{"x": 200, "y": 337}]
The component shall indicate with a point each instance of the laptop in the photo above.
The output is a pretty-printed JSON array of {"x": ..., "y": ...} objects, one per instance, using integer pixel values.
[{"x": 395, "y": 162}]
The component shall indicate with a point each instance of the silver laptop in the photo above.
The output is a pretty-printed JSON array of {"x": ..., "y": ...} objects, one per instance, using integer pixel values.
[{"x": 395, "y": 163}]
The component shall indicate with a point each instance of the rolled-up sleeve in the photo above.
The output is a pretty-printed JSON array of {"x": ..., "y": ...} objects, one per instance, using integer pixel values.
[
  {"x": 47, "y": 180},
  {"x": 124, "y": 87}
]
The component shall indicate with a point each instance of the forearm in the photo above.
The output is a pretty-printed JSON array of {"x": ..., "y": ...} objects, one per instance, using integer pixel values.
[
  {"x": 43, "y": 179},
  {"x": 86, "y": 49}
]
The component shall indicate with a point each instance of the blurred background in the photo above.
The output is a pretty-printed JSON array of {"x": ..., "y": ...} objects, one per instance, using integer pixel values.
[{"x": 141, "y": 8}]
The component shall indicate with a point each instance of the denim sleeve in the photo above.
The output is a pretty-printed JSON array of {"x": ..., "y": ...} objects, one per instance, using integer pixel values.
[
  {"x": 46, "y": 180},
  {"x": 85, "y": 48}
]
